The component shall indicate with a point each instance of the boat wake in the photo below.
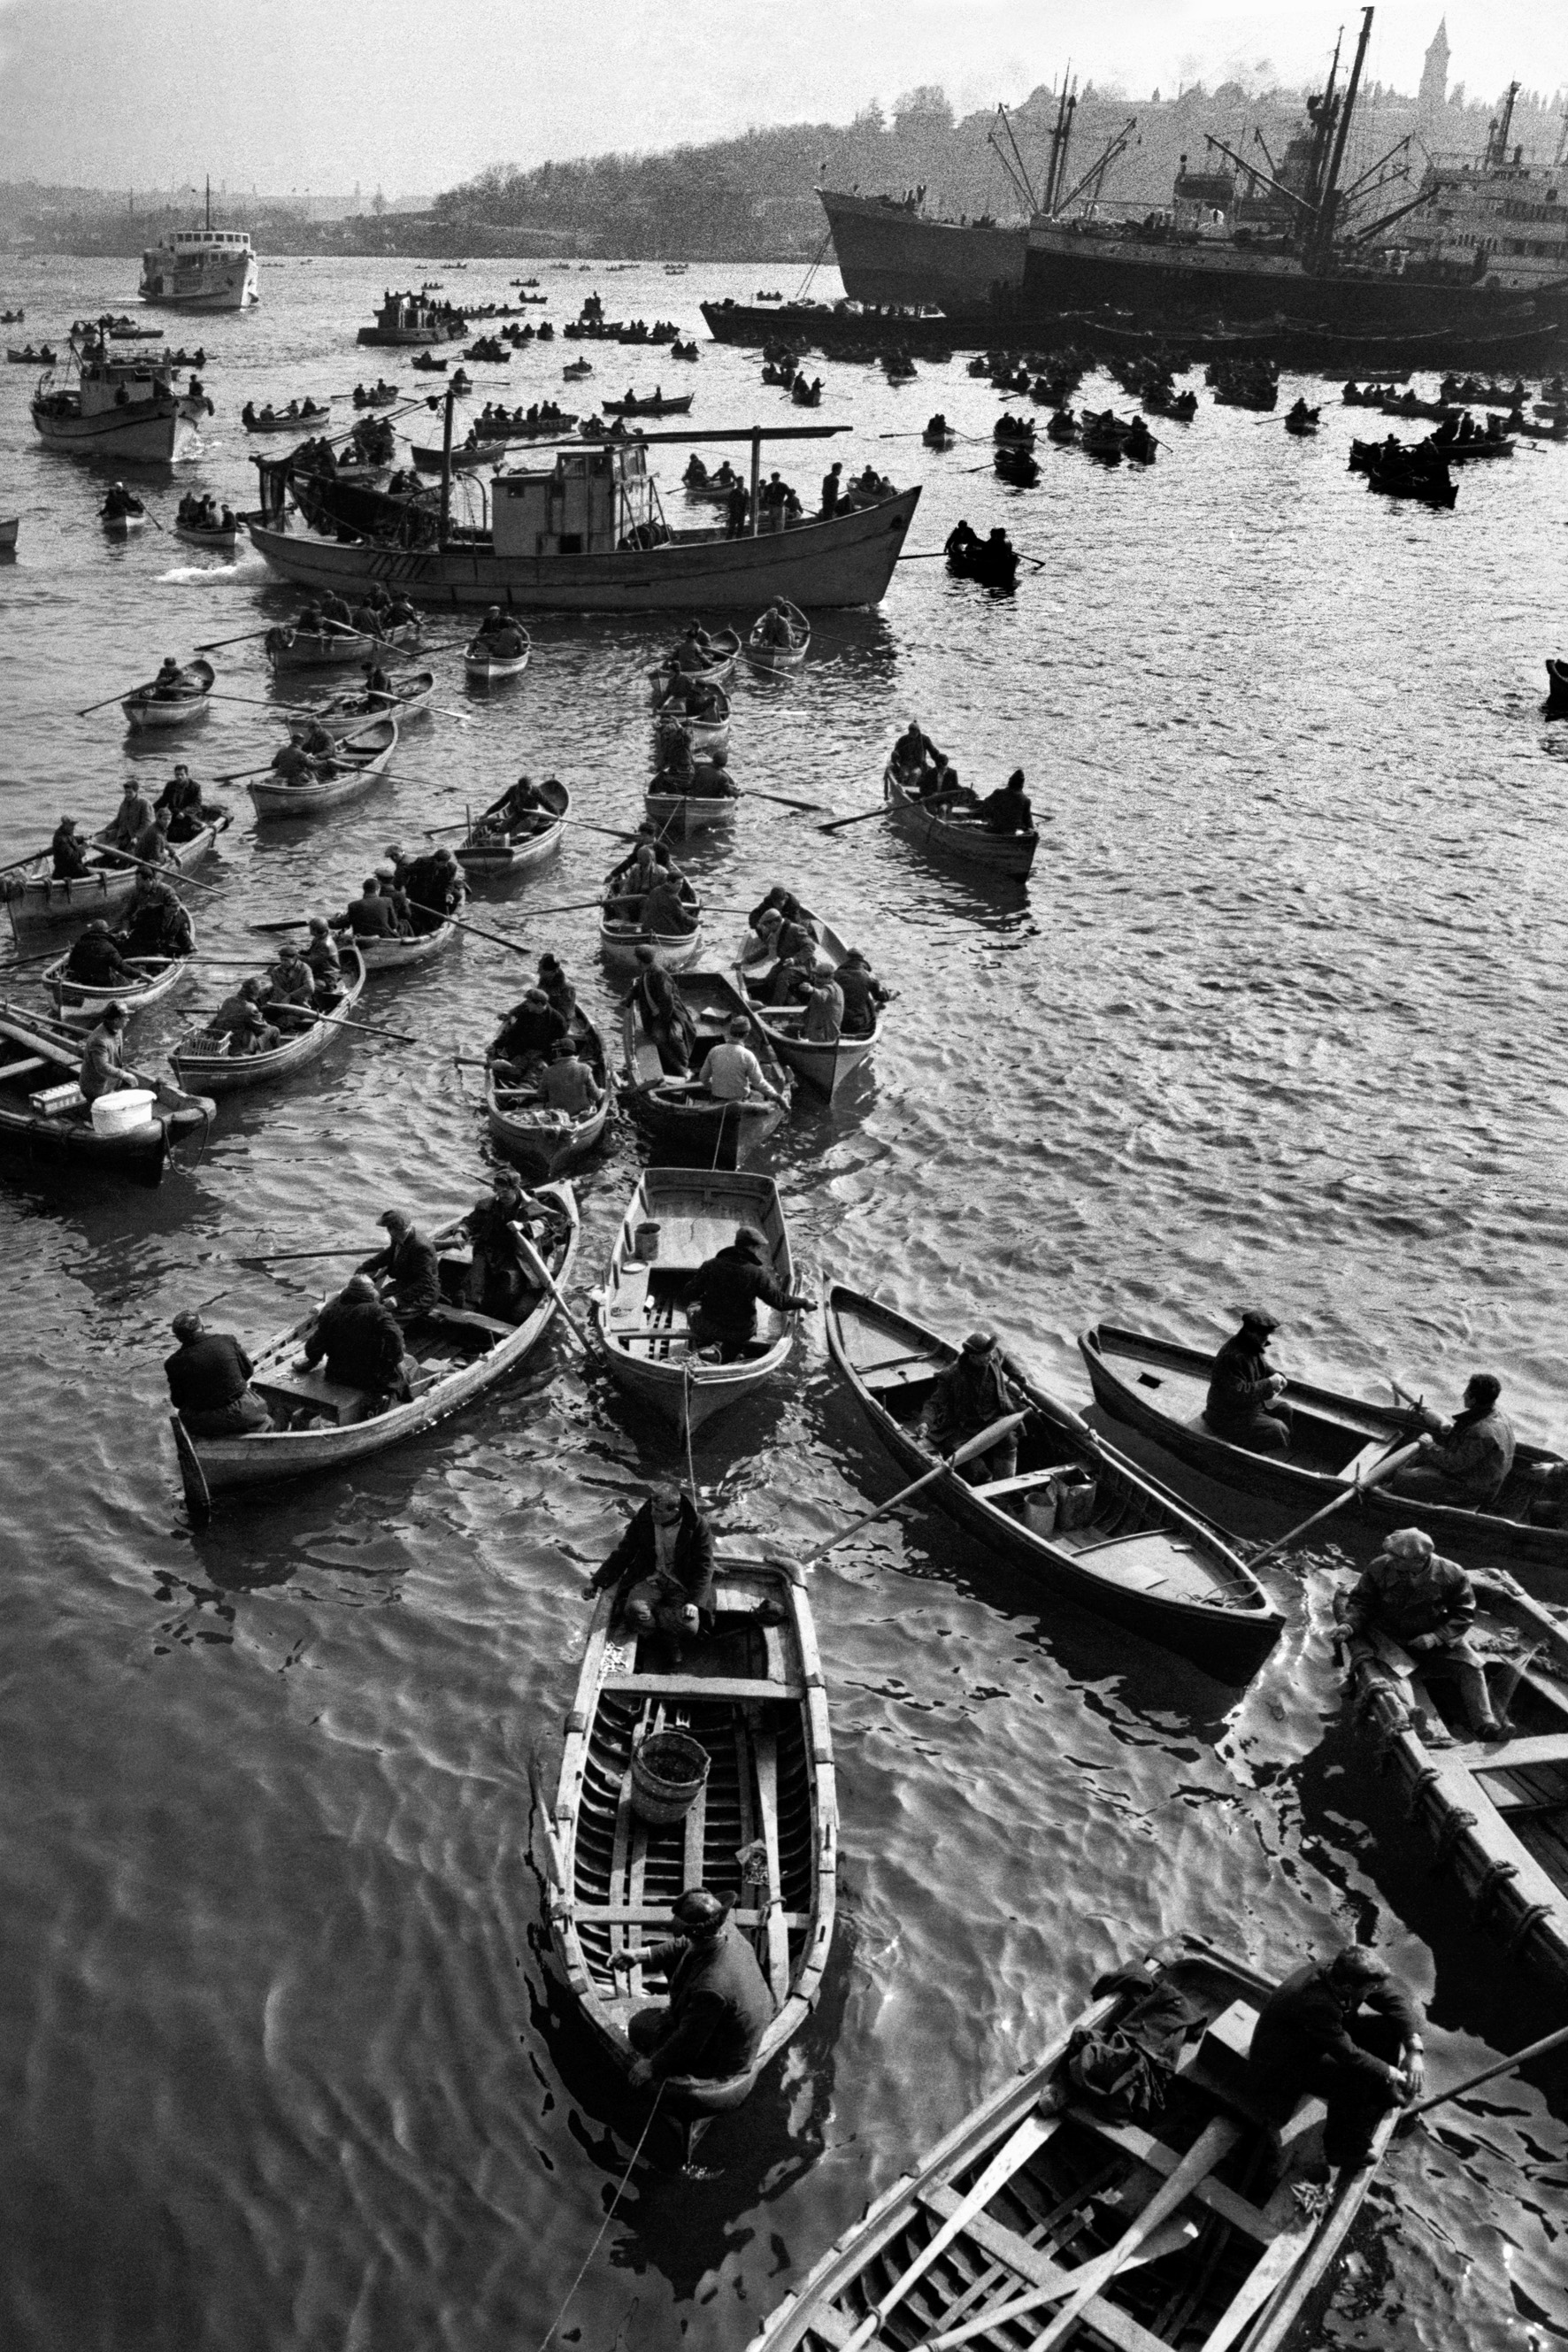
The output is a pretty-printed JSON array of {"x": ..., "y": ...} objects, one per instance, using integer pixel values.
[{"x": 246, "y": 569}]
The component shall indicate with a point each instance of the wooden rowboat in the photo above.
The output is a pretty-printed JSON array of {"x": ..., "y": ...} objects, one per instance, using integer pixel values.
[
  {"x": 482, "y": 666},
  {"x": 1498, "y": 1812},
  {"x": 223, "y": 542},
  {"x": 762, "y": 1832},
  {"x": 361, "y": 761},
  {"x": 200, "y": 1059},
  {"x": 39, "y": 905},
  {"x": 1159, "y": 1388},
  {"x": 548, "y": 1141},
  {"x": 640, "y": 1319},
  {"x": 677, "y": 815},
  {"x": 44, "y": 1119},
  {"x": 336, "y": 648},
  {"x": 1034, "y": 2188},
  {"x": 459, "y": 1352},
  {"x": 824, "y": 1063},
  {"x": 619, "y": 940},
  {"x": 80, "y": 1005},
  {"x": 1079, "y": 1514},
  {"x": 678, "y": 1113},
  {"x": 119, "y": 524},
  {"x": 523, "y": 852},
  {"x": 400, "y": 955},
  {"x": 347, "y": 713},
  {"x": 1009, "y": 854},
  {"x": 704, "y": 734},
  {"x": 189, "y": 699},
  {"x": 717, "y": 671},
  {"x": 780, "y": 660},
  {"x": 268, "y": 421},
  {"x": 670, "y": 404}
]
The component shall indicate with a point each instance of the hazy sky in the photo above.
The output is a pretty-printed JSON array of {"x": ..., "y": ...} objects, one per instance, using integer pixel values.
[{"x": 322, "y": 93}]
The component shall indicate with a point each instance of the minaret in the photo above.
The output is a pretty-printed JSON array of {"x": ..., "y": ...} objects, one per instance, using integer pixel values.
[{"x": 1433, "y": 93}]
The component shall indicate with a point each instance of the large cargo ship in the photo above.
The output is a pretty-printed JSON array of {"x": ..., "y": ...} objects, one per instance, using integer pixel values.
[
  {"x": 1477, "y": 260},
  {"x": 202, "y": 268}
]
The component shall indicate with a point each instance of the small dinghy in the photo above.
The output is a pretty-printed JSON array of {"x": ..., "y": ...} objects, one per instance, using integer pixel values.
[
  {"x": 361, "y": 761},
  {"x": 44, "y": 1117},
  {"x": 483, "y": 664},
  {"x": 204, "y": 1061},
  {"x": 82, "y": 1006},
  {"x": 170, "y": 702},
  {"x": 336, "y": 648},
  {"x": 824, "y": 1063},
  {"x": 783, "y": 651},
  {"x": 677, "y": 1112},
  {"x": 547, "y": 1142},
  {"x": 936, "y": 826},
  {"x": 346, "y": 714},
  {"x": 491, "y": 849}
]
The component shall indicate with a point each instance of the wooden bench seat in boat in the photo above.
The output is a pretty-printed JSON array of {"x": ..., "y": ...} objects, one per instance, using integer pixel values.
[
  {"x": 290, "y": 1392},
  {"x": 690, "y": 1687},
  {"x": 658, "y": 1915},
  {"x": 994, "y": 1488},
  {"x": 25, "y": 1068}
]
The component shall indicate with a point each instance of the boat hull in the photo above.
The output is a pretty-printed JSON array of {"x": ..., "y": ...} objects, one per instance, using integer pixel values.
[
  {"x": 845, "y": 562},
  {"x": 677, "y": 814},
  {"x": 887, "y": 255},
  {"x": 217, "y": 1073},
  {"x": 40, "y": 907},
  {"x": 129, "y": 440},
  {"x": 547, "y": 1143},
  {"x": 1008, "y": 855},
  {"x": 332, "y": 791},
  {"x": 29, "y": 1136},
  {"x": 692, "y": 1126},
  {"x": 403, "y": 955},
  {"x": 146, "y": 713}
]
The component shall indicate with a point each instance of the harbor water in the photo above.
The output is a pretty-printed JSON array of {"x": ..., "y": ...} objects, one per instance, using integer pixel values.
[{"x": 1279, "y": 1018}]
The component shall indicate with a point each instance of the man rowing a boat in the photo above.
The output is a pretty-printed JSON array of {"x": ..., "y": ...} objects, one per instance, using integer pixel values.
[
  {"x": 981, "y": 1386},
  {"x": 1008, "y": 810},
  {"x": 96, "y": 961},
  {"x": 732, "y": 1072},
  {"x": 718, "y": 2005},
  {"x": 662, "y": 1567},
  {"x": 499, "y": 634},
  {"x": 666, "y": 1017},
  {"x": 1346, "y": 2031},
  {"x": 520, "y": 813},
  {"x": 1240, "y": 1406},
  {"x": 369, "y": 916},
  {"x": 502, "y": 1283},
  {"x": 69, "y": 851},
  {"x": 1464, "y": 1462}
]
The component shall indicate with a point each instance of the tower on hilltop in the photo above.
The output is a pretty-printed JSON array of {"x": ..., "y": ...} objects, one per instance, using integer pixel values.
[{"x": 1434, "y": 91}]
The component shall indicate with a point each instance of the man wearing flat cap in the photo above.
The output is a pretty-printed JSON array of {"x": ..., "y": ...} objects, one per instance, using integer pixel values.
[
  {"x": 407, "y": 1272},
  {"x": 1342, "y": 2030},
  {"x": 983, "y": 1386},
  {"x": 1243, "y": 1387},
  {"x": 209, "y": 1381},
  {"x": 719, "y": 2004}
]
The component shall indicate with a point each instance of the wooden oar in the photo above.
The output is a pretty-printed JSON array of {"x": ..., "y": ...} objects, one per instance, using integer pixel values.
[
  {"x": 840, "y": 822},
  {"x": 397, "y": 1036},
  {"x": 553, "y": 1287},
  {"x": 300, "y": 922},
  {"x": 165, "y": 873},
  {"x": 120, "y": 697},
  {"x": 1375, "y": 1478},
  {"x": 278, "y": 1257},
  {"x": 982, "y": 1443},
  {"x": 749, "y": 793},
  {"x": 1267, "y": 2274},
  {"x": 1488, "y": 2074},
  {"x": 217, "y": 643}
]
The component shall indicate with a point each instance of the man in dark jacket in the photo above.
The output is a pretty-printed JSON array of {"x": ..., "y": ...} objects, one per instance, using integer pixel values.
[
  {"x": 96, "y": 960},
  {"x": 1243, "y": 1385},
  {"x": 1007, "y": 810},
  {"x": 722, "y": 1297},
  {"x": 370, "y": 917},
  {"x": 70, "y": 858},
  {"x": 985, "y": 1385},
  {"x": 209, "y": 1381},
  {"x": 434, "y": 885},
  {"x": 1412, "y": 1595},
  {"x": 663, "y": 1567},
  {"x": 719, "y": 2004},
  {"x": 159, "y": 925},
  {"x": 1344, "y": 2031},
  {"x": 408, "y": 1268},
  {"x": 528, "y": 1035},
  {"x": 1465, "y": 1460},
  {"x": 362, "y": 1343},
  {"x": 182, "y": 798},
  {"x": 864, "y": 995}
]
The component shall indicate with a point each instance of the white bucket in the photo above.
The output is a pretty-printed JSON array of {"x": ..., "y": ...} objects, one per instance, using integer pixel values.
[{"x": 123, "y": 1112}]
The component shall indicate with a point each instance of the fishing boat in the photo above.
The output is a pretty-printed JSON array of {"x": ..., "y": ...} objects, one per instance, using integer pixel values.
[
  {"x": 202, "y": 1059},
  {"x": 676, "y": 672},
  {"x": 679, "y": 814},
  {"x": 676, "y": 1220},
  {"x": 508, "y": 856},
  {"x": 1498, "y": 1811},
  {"x": 1002, "y": 854},
  {"x": 746, "y": 1714},
  {"x": 1195, "y": 2235},
  {"x": 546, "y": 1141},
  {"x": 223, "y": 538},
  {"x": 408, "y": 697},
  {"x": 482, "y": 664},
  {"x": 784, "y": 658},
  {"x": 203, "y": 269},
  {"x": 402, "y": 955},
  {"x": 39, "y": 905},
  {"x": 652, "y": 404},
  {"x": 123, "y": 411},
  {"x": 621, "y": 935},
  {"x": 1077, "y": 1514},
  {"x": 336, "y": 648},
  {"x": 1159, "y": 1388},
  {"x": 81, "y": 1006},
  {"x": 824, "y": 1063},
  {"x": 459, "y": 1352},
  {"x": 44, "y": 1119},
  {"x": 186, "y": 698},
  {"x": 677, "y": 1112},
  {"x": 361, "y": 761}
]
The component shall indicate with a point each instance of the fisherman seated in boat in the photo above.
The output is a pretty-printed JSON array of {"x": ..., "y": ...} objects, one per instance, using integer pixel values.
[
  {"x": 712, "y": 781},
  {"x": 552, "y": 979},
  {"x": 1008, "y": 810},
  {"x": 321, "y": 955},
  {"x": 982, "y": 1385},
  {"x": 1345, "y": 2031},
  {"x": 676, "y": 765},
  {"x": 290, "y": 992},
  {"x": 247, "y": 1029},
  {"x": 567, "y": 1084},
  {"x": 722, "y": 1297},
  {"x": 719, "y": 2004},
  {"x": 665, "y": 1015},
  {"x": 363, "y": 1344},
  {"x": 151, "y": 847},
  {"x": 209, "y": 1381},
  {"x": 334, "y": 607},
  {"x": 130, "y": 820},
  {"x": 732, "y": 1072},
  {"x": 69, "y": 851},
  {"x": 248, "y": 414},
  {"x": 501, "y": 1284},
  {"x": 961, "y": 541},
  {"x": 396, "y": 896},
  {"x": 518, "y": 816},
  {"x": 1241, "y": 1406},
  {"x": 1411, "y": 1595},
  {"x": 160, "y": 928},
  {"x": 96, "y": 960},
  {"x": 406, "y": 1273},
  {"x": 292, "y": 764},
  {"x": 170, "y": 685},
  {"x": 774, "y": 629},
  {"x": 369, "y": 916},
  {"x": 863, "y": 993},
  {"x": 661, "y": 1571},
  {"x": 1464, "y": 1462},
  {"x": 528, "y": 1034},
  {"x": 914, "y": 753},
  {"x": 666, "y": 912}
]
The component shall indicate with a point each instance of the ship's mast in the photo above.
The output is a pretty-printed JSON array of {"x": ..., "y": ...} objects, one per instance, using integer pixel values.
[
  {"x": 1324, "y": 114},
  {"x": 1322, "y": 243},
  {"x": 209, "y": 200},
  {"x": 1496, "y": 143},
  {"x": 1057, "y": 171}
]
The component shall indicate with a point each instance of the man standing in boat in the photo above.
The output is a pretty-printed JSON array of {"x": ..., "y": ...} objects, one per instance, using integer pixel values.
[
  {"x": 719, "y": 2004},
  {"x": 1243, "y": 1385}
]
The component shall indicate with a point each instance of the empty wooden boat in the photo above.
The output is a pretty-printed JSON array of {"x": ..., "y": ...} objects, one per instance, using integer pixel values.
[
  {"x": 204, "y": 1061},
  {"x": 1079, "y": 1515},
  {"x": 346, "y": 714},
  {"x": 40, "y": 907},
  {"x": 458, "y": 1352},
  {"x": 493, "y": 851},
  {"x": 780, "y": 655},
  {"x": 361, "y": 761},
  {"x": 760, "y": 1832},
  {"x": 677, "y": 1112},
  {"x": 185, "y": 698},
  {"x": 936, "y": 828},
  {"x": 1159, "y": 1388},
  {"x": 1041, "y": 2204},
  {"x": 81, "y": 1005},
  {"x": 547, "y": 1141},
  {"x": 677, "y": 1219},
  {"x": 44, "y": 1119},
  {"x": 824, "y": 1064}
]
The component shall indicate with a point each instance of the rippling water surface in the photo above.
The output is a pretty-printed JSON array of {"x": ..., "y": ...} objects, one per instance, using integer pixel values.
[{"x": 1280, "y": 1016}]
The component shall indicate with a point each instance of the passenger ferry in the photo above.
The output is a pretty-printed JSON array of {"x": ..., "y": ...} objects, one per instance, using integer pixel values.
[{"x": 202, "y": 268}]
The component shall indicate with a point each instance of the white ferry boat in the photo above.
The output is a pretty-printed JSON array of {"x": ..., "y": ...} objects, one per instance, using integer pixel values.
[
  {"x": 1501, "y": 223},
  {"x": 202, "y": 268}
]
